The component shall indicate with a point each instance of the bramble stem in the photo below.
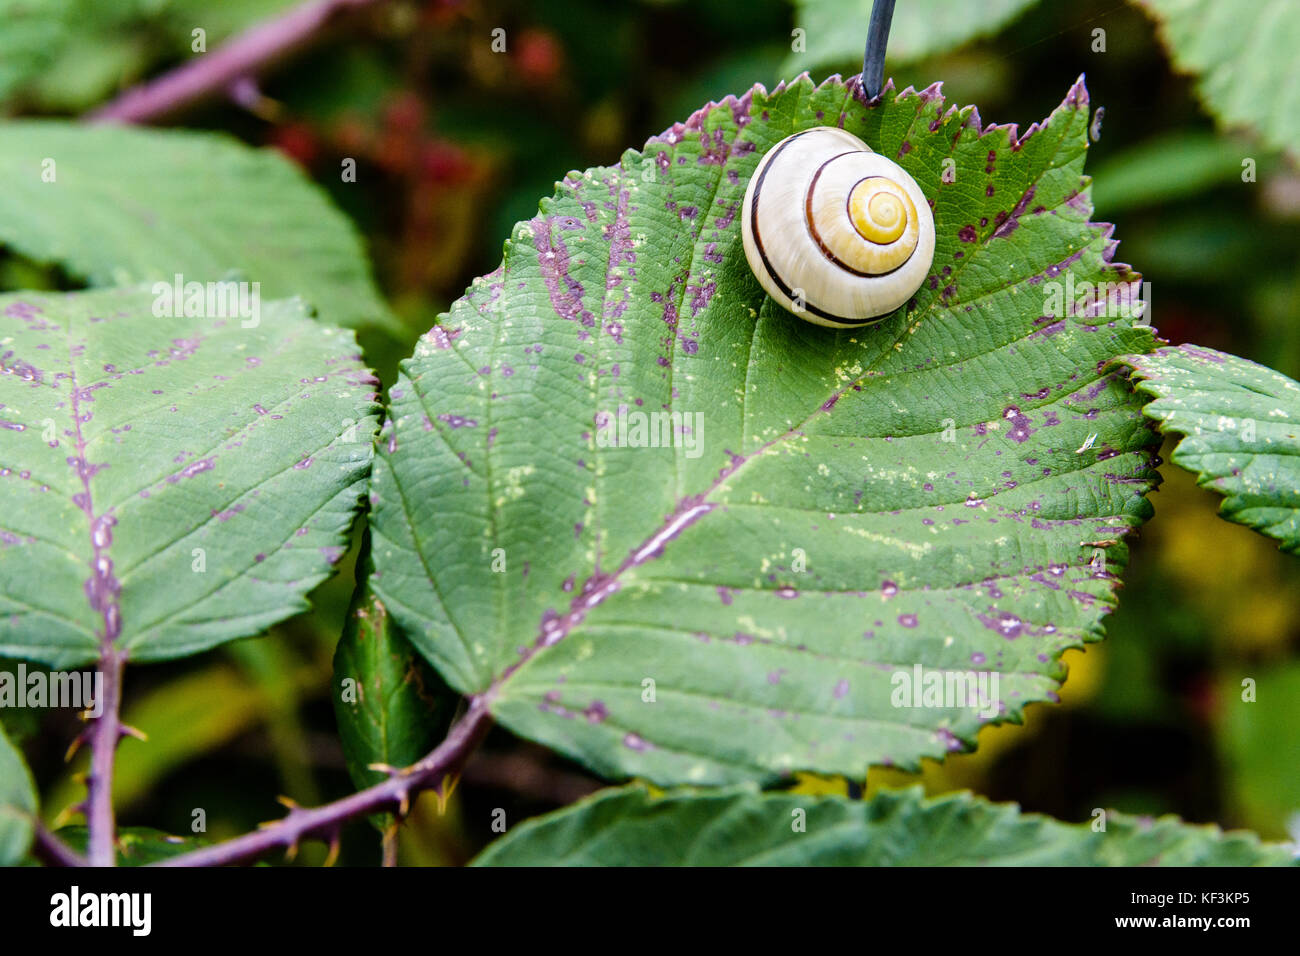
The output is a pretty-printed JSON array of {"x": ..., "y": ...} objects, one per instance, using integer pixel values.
[
  {"x": 104, "y": 738},
  {"x": 52, "y": 851},
  {"x": 324, "y": 822},
  {"x": 243, "y": 58}
]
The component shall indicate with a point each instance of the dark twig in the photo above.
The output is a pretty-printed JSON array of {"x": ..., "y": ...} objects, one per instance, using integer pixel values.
[
  {"x": 393, "y": 794},
  {"x": 52, "y": 851},
  {"x": 873, "y": 61},
  {"x": 227, "y": 69}
]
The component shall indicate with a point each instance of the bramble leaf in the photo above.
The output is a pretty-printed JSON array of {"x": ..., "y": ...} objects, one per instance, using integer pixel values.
[
  {"x": 169, "y": 483},
  {"x": 396, "y": 709},
  {"x": 741, "y": 599},
  {"x": 738, "y": 827},
  {"x": 1240, "y": 424},
  {"x": 17, "y": 803},
  {"x": 118, "y": 206},
  {"x": 1241, "y": 58}
]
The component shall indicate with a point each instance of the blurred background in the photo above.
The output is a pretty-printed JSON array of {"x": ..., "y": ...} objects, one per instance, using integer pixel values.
[{"x": 455, "y": 142}]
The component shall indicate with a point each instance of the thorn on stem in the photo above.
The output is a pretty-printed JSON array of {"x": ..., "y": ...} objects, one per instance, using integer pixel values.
[
  {"x": 333, "y": 855},
  {"x": 67, "y": 814},
  {"x": 73, "y": 747},
  {"x": 445, "y": 789},
  {"x": 246, "y": 93}
]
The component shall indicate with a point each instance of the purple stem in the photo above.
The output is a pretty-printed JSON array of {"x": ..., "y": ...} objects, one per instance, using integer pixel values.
[
  {"x": 324, "y": 822},
  {"x": 52, "y": 851},
  {"x": 101, "y": 591},
  {"x": 242, "y": 58},
  {"x": 104, "y": 738}
]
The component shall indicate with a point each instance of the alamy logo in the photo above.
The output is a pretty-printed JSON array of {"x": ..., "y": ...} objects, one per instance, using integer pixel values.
[
  {"x": 82, "y": 690},
  {"x": 74, "y": 908},
  {"x": 637, "y": 429},
  {"x": 209, "y": 300},
  {"x": 946, "y": 689}
]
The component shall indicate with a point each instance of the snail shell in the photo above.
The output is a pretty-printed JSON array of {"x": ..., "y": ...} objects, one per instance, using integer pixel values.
[{"x": 835, "y": 233}]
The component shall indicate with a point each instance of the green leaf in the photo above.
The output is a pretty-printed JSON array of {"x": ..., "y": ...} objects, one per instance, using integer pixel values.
[
  {"x": 65, "y": 55},
  {"x": 942, "y": 479},
  {"x": 172, "y": 482},
  {"x": 1255, "y": 741},
  {"x": 835, "y": 31},
  {"x": 33, "y": 32},
  {"x": 1240, "y": 424},
  {"x": 396, "y": 708},
  {"x": 1168, "y": 168},
  {"x": 136, "y": 846},
  {"x": 20, "y": 723},
  {"x": 17, "y": 804},
  {"x": 1243, "y": 59},
  {"x": 738, "y": 827},
  {"x": 219, "y": 20},
  {"x": 131, "y": 205}
]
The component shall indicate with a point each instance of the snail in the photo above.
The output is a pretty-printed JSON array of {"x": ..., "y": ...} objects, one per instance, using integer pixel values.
[{"x": 836, "y": 233}]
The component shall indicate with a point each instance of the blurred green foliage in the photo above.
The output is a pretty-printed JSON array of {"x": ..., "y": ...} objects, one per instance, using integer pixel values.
[{"x": 454, "y": 143}]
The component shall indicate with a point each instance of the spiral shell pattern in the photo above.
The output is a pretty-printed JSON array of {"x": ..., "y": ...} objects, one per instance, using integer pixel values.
[{"x": 837, "y": 234}]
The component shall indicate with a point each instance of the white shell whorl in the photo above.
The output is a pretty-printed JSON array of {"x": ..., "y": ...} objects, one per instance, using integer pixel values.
[{"x": 847, "y": 227}]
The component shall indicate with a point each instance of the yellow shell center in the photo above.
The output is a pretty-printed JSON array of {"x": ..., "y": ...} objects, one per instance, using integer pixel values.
[{"x": 880, "y": 210}]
